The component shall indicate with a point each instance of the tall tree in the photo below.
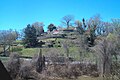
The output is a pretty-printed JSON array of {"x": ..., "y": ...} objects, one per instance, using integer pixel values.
[
  {"x": 67, "y": 20},
  {"x": 96, "y": 21},
  {"x": 51, "y": 27},
  {"x": 39, "y": 28},
  {"x": 30, "y": 38},
  {"x": 95, "y": 27},
  {"x": 106, "y": 49}
]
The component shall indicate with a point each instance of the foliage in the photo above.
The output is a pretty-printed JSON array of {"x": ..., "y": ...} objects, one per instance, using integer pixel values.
[
  {"x": 30, "y": 38},
  {"x": 92, "y": 58},
  {"x": 51, "y": 27}
]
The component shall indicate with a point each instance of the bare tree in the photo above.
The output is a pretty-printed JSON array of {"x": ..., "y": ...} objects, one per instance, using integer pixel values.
[
  {"x": 67, "y": 20},
  {"x": 96, "y": 21},
  {"x": 13, "y": 65},
  {"x": 65, "y": 45},
  {"x": 104, "y": 51},
  {"x": 6, "y": 38},
  {"x": 101, "y": 26},
  {"x": 79, "y": 27},
  {"x": 39, "y": 28},
  {"x": 82, "y": 47}
]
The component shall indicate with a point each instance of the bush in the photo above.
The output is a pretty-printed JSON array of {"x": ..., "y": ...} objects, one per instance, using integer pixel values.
[
  {"x": 25, "y": 72},
  {"x": 69, "y": 71},
  {"x": 63, "y": 71},
  {"x": 28, "y": 71},
  {"x": 21, "y": 69},
  {"x": 13, "y": 65}
]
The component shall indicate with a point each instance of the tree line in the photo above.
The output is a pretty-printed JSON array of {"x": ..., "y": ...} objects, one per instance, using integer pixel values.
[{"x": 90, "y": 28}]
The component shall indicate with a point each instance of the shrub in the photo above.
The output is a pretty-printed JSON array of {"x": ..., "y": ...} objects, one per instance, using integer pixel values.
[
  {"x": 28, "y": 71},
  {"x": 63, "y": 70},
  {"x": 13, "y": 65},
  {"x": 25, "y": 72}
]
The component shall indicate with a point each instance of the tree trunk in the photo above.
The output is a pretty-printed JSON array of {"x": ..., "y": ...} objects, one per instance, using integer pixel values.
[{"x": 67, "y": 25}]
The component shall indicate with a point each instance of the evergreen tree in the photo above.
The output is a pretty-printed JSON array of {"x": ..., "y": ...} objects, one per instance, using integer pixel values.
[
  {"x": 30, "y": 38},
  {"x": 51, "y": 27}
]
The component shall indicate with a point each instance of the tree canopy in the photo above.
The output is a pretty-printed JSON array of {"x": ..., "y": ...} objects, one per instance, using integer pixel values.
[
  {"x": 51, "y": 27},
  {"x": 30, "y": 37}
]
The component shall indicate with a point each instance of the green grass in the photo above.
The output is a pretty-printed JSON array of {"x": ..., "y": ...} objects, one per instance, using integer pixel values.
[
  {"x": 73, "y": 52},
  {"x": 18, "y": 41},
  {"x": 29, "y": 51},
  {"x": 50, "y": 39}
]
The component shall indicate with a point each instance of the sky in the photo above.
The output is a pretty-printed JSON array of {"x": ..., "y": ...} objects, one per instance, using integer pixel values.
[{"x": 16, "y": 14}]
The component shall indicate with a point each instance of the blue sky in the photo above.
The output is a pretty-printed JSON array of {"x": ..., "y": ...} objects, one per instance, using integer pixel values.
[{"x": 16, "y": 14}]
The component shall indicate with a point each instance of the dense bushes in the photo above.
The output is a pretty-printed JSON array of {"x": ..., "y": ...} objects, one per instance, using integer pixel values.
[
  {"x": 72, "y": 70},
  {"x": 20, "y": 69}
]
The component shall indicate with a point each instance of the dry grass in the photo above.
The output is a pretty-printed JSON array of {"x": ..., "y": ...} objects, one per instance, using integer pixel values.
[
  {"x": 89, "y": 78},
  {"x": 80, "y": 78}
]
